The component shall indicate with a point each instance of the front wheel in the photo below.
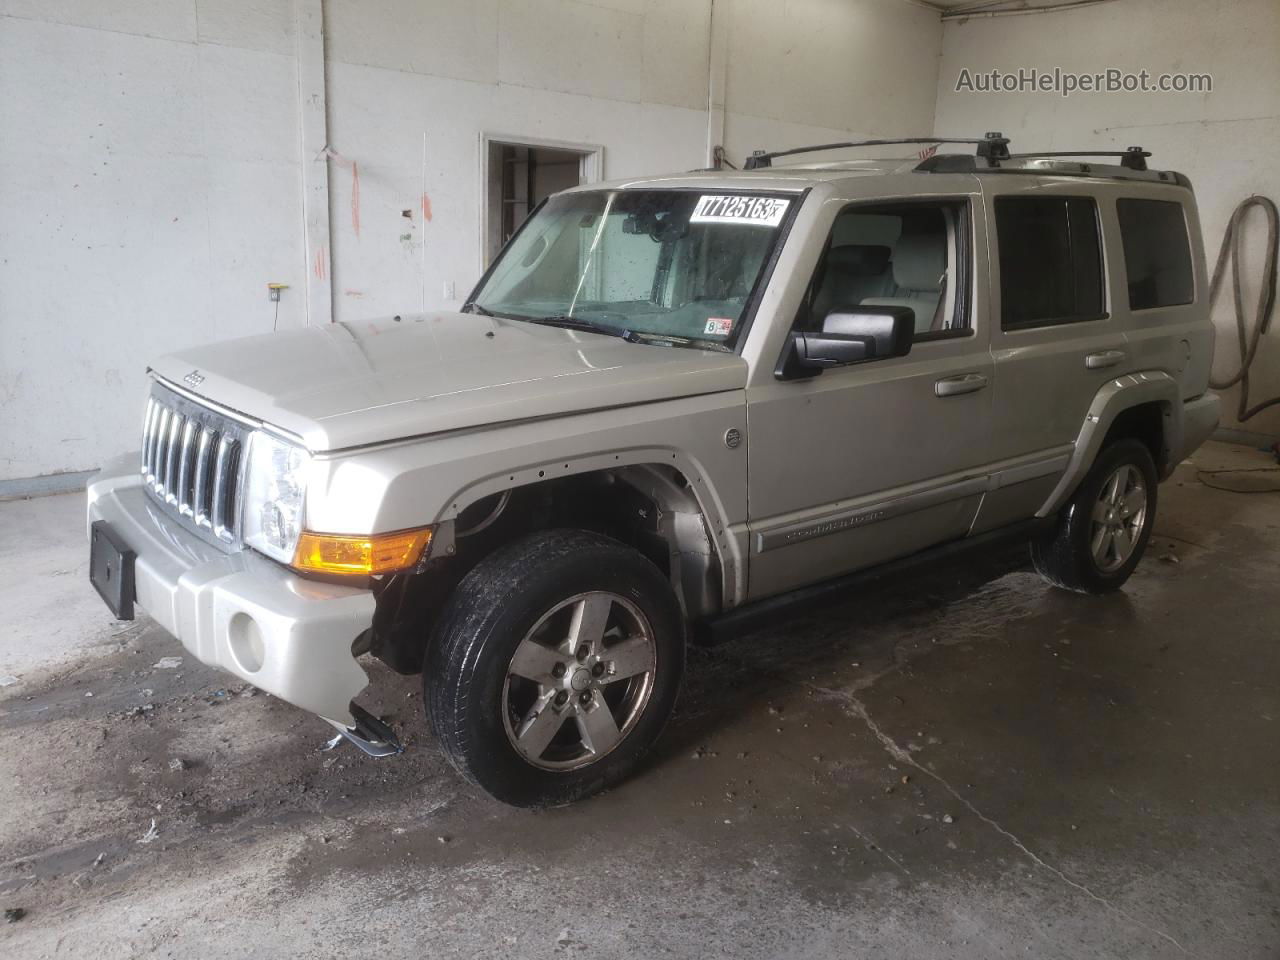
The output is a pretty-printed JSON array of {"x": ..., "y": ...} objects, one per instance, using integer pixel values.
[
  {"x": 1103, "y": 531},
  {"x": 555, "y": 666}
]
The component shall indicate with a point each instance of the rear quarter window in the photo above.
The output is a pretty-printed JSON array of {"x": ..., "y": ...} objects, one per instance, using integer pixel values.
[{"x": 1157, "y": 253}]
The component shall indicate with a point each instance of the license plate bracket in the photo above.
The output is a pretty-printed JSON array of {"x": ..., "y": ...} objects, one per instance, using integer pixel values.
[{"x": 111, "y": 569}]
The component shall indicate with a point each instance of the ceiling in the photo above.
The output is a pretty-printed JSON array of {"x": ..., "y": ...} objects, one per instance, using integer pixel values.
[{"x": 954, "y": 7}]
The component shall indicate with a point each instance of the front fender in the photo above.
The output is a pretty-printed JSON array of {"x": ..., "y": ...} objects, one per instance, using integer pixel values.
[{"x": 433, "y": 479}]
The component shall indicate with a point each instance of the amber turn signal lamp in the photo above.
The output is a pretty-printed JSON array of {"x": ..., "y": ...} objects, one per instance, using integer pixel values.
[{"x": 380, "y": 553}]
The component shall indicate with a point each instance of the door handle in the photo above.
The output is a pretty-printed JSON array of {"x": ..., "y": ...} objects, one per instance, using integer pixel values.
[
  {"x": 955, "y": 386},
  {"x": 1107, "y": 358}
]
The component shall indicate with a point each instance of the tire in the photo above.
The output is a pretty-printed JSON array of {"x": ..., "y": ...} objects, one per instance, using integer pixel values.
[
  {"x": 516, "y": 708},
  {"x": 1068, "y": 557}
]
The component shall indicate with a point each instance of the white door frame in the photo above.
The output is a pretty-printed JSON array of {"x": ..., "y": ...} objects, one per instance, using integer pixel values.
[{"x": 590, "y": 170}]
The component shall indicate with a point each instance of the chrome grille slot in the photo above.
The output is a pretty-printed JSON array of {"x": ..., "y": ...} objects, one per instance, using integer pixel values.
[
  {"x": 162, "y": 448},
  {"x": 186, "y": 463},
  {"x": 153, "y": 444},
  {"x": 148, "y": 437},
  {"x": 171, "y": 458},
  {"x": 222, "y": 510},
  {"x": 201, "y": 488},
  {"x": 192, "y": 464}
]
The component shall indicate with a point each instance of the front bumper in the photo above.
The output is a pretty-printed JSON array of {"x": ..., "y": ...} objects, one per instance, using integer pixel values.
[{"x": 287, "y": 635}]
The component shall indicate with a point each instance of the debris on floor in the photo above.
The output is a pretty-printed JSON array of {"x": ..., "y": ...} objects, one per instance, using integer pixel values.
[
  {"x": 14, "y": 914},
  {"x": 167, "y": 663},
  {"x": 8, "y": 681},
  {"x": 151, "y": 834}
]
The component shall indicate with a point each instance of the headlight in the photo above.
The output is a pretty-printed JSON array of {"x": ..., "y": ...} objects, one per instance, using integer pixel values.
[{"x": 275, "y": 493}]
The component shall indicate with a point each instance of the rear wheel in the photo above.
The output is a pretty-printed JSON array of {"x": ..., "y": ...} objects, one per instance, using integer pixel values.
[
  {"x": 555, "y": 667},
  {"x": 1103, "y": 531}
]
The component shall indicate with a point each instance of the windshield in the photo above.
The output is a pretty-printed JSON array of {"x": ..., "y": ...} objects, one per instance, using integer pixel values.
[{"x": 669, "y": 263}]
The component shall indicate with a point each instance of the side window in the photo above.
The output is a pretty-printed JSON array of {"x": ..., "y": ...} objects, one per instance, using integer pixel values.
[
  {"x": 1050, "y": 261},
  {"x": 895, "y": 254},
  {"x": 1157, "y": 253}
]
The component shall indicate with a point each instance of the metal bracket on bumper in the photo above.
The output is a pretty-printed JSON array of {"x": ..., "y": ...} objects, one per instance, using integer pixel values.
[{"x": 369, "y": 734}]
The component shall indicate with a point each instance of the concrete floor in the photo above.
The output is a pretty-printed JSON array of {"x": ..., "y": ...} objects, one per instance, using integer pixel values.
[{"x": 964, "y": 765}]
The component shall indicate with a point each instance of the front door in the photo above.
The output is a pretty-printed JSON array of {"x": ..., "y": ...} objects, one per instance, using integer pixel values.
[{"x": 873, "y": 461}]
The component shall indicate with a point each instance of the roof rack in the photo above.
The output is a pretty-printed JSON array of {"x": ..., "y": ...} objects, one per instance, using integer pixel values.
[
  {"x": 1132, "y": 166},
  {"x": 993, "y": 147},
  {"x": 1133, "y": 158},
  {"x": 991, "y": 150}
]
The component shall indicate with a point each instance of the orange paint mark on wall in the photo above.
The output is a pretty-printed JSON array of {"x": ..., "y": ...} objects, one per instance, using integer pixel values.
[
  {"x": 355, "y": 198},
  {"x": 426, "y": 207},
  {"x": 317, "y": 264}
]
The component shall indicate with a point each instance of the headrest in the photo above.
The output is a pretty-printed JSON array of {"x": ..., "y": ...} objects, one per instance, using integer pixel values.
[
  {"x": 919, "y": 260},
  {"x": 858, "y": 260}
]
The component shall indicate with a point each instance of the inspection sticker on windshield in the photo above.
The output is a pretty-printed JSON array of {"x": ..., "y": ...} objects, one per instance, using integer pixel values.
[
  {"x": 756, "y": 211},
  {"x": 718, "y": 327}
]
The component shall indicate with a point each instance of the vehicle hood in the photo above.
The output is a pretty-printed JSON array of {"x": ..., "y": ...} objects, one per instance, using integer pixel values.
[{"x": 350, "y": 384}]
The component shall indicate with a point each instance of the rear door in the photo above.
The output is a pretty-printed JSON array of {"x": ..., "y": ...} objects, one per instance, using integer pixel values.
[{"x": 1054, "y": 337}]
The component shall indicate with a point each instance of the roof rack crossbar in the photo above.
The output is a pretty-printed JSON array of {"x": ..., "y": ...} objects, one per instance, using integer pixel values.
[
  {"x": 993, "y": 146},
  {"x": 1134, "y": 158}
]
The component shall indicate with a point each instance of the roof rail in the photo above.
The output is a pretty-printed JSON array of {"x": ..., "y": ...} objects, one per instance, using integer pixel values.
[
  {"x": 1134, "y": 158},
  {"x": 1133, "y": 164},
  {"x": 994, "y": 147}
]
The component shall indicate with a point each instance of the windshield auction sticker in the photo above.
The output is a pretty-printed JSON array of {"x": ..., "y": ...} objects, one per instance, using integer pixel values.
[{"x": 755, "y": 211}]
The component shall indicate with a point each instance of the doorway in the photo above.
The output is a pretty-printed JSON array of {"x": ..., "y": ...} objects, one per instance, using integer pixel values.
[{"x": 521, "y": 173}]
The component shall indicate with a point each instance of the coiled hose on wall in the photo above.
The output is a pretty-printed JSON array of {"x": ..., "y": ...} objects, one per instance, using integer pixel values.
[{"x": 1232, "y": 248}]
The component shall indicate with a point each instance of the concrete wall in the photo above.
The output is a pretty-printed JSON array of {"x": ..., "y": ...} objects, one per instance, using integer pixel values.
[
  {"x": 150, "y": 176},
  {"x": 148, "y": 193},
  {"x": 1227, "y": 141}
]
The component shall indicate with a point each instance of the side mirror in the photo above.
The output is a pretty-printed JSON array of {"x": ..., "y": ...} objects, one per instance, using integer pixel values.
[{"x": 850, "y": 335}]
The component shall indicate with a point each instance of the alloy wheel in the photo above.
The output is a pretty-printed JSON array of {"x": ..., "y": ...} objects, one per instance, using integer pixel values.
[
  {"x": 1119, "y": 516},
  {"x": 579, "y": 681}
]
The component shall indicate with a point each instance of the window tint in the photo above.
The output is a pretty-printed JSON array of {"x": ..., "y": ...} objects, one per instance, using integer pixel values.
[
  {"x": 1050, "y": 260},
  {"x": 1157, "y": 254}
]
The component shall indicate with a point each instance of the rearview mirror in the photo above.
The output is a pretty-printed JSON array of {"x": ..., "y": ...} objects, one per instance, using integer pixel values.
[{"x": 849, "y": 335}]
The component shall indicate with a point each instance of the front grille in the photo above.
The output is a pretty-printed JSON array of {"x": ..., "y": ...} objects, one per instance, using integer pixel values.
[{"x": 192, "y": 464}]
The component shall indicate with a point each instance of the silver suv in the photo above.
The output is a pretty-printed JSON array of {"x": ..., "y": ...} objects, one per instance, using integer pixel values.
[{"x": 670, "y": 403}]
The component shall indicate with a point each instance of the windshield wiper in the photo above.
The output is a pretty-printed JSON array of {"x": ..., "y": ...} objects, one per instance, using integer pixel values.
[
  {"x": 669, "y": 340},
  {"x": 575, "y": 323}
]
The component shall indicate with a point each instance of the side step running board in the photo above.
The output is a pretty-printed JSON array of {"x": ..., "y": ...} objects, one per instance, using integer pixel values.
[{"x": 717, "y": 630}]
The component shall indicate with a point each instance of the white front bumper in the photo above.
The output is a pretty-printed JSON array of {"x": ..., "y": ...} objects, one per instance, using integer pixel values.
[{"x": 255, "y": 619}]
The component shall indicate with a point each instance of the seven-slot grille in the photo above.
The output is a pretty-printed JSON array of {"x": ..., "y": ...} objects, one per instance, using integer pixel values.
[{"x": 191, "y": 464}]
